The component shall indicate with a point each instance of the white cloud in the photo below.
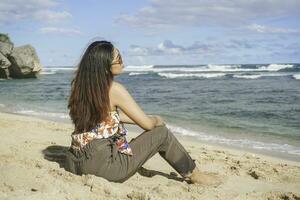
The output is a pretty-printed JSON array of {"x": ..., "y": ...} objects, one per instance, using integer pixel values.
[
  {"x": 170, "y": 48},
  {"x": 60, "y": 31},
  {"x": 197, "y": 48},
  {"x": 174, "y": 13},
  {"x": 51, "y": 16},
  {"x": 43, "y": 10},
  {"x": 167, "y": 47},
  {"x": 269, "y": 29},
  {"x": 231, "y": 50},
  {"x": 137, "y": 50}
]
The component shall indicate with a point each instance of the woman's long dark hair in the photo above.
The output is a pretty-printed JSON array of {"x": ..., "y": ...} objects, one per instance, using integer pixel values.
[{"x": 89, "y": 100}]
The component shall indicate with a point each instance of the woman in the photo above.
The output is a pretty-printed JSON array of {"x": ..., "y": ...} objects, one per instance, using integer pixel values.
[{"x": 99, "y": 107}]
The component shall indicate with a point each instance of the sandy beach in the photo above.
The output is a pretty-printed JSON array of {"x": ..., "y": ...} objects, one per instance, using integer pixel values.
[{"x": 32, "y": 152}]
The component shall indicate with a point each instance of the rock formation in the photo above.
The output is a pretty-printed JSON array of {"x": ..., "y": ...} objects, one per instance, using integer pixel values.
[{"x": 17, "y": 62}]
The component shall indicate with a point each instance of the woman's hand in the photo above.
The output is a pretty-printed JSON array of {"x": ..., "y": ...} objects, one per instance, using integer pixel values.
[{"x": 159, "y": 120}]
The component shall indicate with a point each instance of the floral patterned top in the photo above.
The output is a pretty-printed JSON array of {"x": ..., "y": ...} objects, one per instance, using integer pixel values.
[{"x": 111, "y": 127}]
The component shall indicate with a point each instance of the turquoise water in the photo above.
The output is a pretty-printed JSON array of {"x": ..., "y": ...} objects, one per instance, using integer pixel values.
[{"x": 254, "y": 107}]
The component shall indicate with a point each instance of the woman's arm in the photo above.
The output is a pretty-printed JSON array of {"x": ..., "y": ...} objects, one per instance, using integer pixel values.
[
  {"x": 125, "y": 119},
  {"x": 131, "y": 109}
]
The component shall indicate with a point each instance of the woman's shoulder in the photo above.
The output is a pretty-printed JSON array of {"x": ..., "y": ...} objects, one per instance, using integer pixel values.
[
  {"x": 119, "y": 95},
  {"x": 116, "y": 85},
  {"x": 117, "y": 88}
]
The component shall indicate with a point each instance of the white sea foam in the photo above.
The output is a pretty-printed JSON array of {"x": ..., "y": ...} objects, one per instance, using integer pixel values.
[
  {"x": 276, "y": 67},
  {"x": 182, "y": 131},
  {"x": 44, "y": 114},
  {"x": 224, "y": 68},
  {"x": 60, "y": 68},
  {"x": 276, "y": 74},
  {"x": 237, "y": 68},
  {"x": 296, "y": 76},
  {"x": 203, "y": 75},
  {"x": 137, "y": 73},
  {"x": 48, "y": 72},
  {"x": 171, "y": 69},
  {"x": 256, "y": 76},
  {"x": 54, "y": 70},
  {"x": 285, "y": 148},
  {"x": 247, "y": 76},
  {"x": 206, "y": 68}
]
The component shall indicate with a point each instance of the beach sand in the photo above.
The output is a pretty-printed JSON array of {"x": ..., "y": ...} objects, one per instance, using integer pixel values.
[{"x": 31, "y": 157}]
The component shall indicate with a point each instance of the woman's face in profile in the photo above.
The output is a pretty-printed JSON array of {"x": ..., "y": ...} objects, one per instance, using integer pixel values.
[{"x": 117, "y": 63}]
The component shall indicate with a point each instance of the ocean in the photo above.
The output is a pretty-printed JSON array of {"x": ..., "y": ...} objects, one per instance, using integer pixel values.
[{"x": 254, "y": 107}]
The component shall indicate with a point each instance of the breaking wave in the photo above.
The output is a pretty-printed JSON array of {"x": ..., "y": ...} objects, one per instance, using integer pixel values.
[
  {"x": 203, "y": 75},
  {"x": 212, "y": 68},
  {"x": 296, "y": 76},
  {"x": 54, "y": 70},
  {"x": 137, "y": 73},
  {"x": 247, "y": 76}
]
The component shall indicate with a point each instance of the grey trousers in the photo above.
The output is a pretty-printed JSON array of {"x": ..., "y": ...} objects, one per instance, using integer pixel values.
[{"x": 100, "y": 157}]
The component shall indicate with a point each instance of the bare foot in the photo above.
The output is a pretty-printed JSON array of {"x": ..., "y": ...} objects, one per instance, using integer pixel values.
[{"x": 204, "y": 178}]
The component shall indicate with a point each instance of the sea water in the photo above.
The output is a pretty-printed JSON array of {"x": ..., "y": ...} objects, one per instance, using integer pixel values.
[{"x": 254, "y": 107}]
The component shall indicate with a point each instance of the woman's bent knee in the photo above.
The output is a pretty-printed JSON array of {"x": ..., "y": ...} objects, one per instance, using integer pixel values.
[
  {"x": 162, "y": 131},
  {"x": 162, "y": 127}
]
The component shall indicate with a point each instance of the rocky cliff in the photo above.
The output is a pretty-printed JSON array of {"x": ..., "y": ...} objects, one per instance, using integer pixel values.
[{"x": 17, "y": 62}]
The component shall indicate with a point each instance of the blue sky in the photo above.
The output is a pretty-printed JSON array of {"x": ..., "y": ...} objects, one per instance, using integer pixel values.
[{"x": 158, "y": 31}]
